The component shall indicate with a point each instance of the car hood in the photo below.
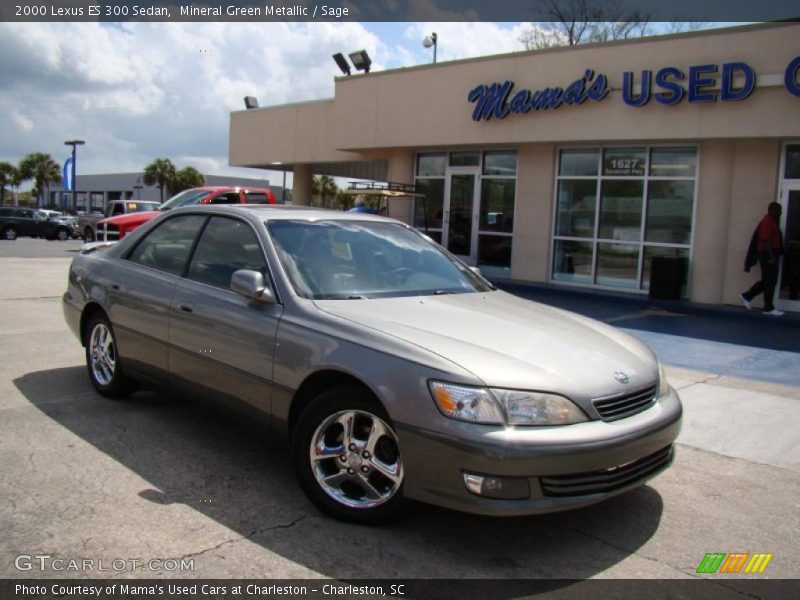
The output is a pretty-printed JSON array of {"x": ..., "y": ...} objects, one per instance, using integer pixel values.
[
  {"x": 509, "y": 342},
  {"x": 136, "y": 218}
]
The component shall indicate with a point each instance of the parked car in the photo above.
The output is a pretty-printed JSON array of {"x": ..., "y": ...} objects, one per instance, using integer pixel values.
[
  {"x": 16, "y": 221},
  {"x": 116, "y": 228},
  {"x": 393, "y": 369},
  {"x": 87, "y": 224}
]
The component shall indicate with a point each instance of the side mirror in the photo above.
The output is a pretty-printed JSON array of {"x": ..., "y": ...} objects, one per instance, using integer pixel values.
[{"x": 250, "y": 284}]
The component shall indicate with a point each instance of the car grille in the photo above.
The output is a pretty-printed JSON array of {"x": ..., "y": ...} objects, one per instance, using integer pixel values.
[
  {"x": 625, "y": 405},
  {"x": 107, "y": 232},
  {"x": 607, "y": 480}
]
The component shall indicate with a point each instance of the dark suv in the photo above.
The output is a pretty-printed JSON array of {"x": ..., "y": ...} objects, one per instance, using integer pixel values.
[{"x": 15, "y": 222}]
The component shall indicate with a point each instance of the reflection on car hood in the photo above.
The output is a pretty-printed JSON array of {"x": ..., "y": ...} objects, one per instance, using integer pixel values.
[{"x": 510, "y": 342}]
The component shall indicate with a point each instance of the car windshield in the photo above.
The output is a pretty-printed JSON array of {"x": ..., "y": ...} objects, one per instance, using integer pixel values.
[
  {"x": 343, "y": 260},
  {"x": 187, "y": 198}
]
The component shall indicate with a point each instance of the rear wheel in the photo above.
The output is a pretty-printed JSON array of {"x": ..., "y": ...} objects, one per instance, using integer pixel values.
[
  {"x": 10, "y": 233},
  {"x": 105, "y": 368},
  {"x": 347, "y": 457}
]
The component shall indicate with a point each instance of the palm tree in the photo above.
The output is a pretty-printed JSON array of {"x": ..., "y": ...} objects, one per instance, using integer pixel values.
[
  {"x": 7, "y": 176},
  {"x": 43, "y": 170},
  {"x": 325, "y": 187},
  {"x": 159, "y": 172},
  {"x": 186, "y": 178}
]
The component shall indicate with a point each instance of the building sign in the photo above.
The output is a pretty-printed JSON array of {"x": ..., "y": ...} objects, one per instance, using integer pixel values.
[{"x": 667, "y": 86}]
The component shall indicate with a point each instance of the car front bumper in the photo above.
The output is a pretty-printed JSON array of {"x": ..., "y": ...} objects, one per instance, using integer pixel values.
[{"x": 564, "y": 467}]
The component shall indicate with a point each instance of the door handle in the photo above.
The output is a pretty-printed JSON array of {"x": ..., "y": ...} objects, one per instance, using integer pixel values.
[{"x": 186, "y": 307}]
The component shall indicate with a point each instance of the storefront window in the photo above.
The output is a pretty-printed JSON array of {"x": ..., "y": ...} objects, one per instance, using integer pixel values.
[
  {"x": 497, "y": 205},
  {"x": 465, "y": 159},
  {"x": 669, "y": 211},
  {"x": 578, "y": 162},
  {"x": 431, "y": 165},
  {"x": 494, "y": 251},
  {"x": 623, "y": 161},
  {"x": 428, "y": 211},
  {"x": 618, "y": 265},
  {"x": 673, "y": 162},
  {"x": 500, "y": 163},
  {"x": 792, "y": 166},
  {"x": 610, "y": 224},
  {"x": 572, "y": 261},
  {"x": 621, "y": 210},
  {"x": 576, "y": 207}
]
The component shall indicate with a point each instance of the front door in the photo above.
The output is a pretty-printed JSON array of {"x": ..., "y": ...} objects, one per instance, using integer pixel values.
[
  {"x": 789, "y": 285},
  {"x": 460, "y": 227}
]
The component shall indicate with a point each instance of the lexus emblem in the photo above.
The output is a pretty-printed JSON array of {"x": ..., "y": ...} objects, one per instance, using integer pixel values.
[{"x": 621, "y": 377}]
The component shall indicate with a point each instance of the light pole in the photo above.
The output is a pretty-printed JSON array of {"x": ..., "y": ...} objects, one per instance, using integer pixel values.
[
  {"x": 431, "y": 40},
  {"x": 74, "y": 144}
]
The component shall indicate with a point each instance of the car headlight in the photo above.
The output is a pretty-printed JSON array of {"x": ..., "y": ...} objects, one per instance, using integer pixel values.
[
  {"x": 663, "y": 386},
  {"x": 496, "y": 406}
]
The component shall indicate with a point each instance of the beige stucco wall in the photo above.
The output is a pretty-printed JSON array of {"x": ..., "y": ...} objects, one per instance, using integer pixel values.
[
  {"x": 753, "y": 187},
  {"x": 533, "y": 217},
  {"x": 427, "y": 106}
]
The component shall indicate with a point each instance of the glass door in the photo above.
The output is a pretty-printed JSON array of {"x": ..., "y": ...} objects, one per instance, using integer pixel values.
[
  {"x": 789, "y": 285},
  {"x": 461, "y": 213}
]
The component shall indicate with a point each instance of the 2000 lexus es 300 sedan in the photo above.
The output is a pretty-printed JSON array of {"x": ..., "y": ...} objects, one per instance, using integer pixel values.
[{"x": 392, "y": 368}]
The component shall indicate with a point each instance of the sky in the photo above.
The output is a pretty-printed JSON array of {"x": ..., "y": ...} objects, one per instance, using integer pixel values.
[{"x": 137, "y": 91}]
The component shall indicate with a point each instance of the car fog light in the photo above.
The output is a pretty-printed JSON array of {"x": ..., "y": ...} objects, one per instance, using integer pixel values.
[{"x": 501, "y": 488}]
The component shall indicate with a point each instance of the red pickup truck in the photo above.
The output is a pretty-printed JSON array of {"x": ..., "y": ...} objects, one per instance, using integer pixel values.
[{"x": 116, "y": 228}]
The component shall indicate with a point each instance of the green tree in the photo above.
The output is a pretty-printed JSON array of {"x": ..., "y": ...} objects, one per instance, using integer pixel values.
[
  {"x": 185, "y": 178},
  {"x": 159, "y": 172},
  {"x": 43, "y": 170},
  {"x": 8, "y": 175},
  {"x": 324, "y": 189}
]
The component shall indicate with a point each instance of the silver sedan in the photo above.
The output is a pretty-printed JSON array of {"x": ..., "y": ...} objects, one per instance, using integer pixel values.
[{"x": 392, "y": 369}]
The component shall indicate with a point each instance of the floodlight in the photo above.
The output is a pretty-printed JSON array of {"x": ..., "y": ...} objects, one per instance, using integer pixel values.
[
  {"x": 250, "y": 102},
  {"x": 361, "y": 60},
  {"x": 342, "y": 62}
]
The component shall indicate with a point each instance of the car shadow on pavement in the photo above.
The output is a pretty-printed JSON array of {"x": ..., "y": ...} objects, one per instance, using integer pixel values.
[{"x": 228, "y": 471}]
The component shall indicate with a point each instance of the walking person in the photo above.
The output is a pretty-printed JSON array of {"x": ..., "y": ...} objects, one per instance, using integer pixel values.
[{"x": 765, "y": 248}]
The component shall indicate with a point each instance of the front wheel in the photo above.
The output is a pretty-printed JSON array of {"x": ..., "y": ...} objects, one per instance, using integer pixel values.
[
  {"x": 105, "y": 369},
  {"x": 347, "y": 457},
  {"x": 88, "y": 235},
  {"x": 62, "y": 234}
]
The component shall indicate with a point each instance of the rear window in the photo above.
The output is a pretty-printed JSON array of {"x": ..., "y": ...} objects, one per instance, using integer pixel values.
[{"x": 256, "y": 198}]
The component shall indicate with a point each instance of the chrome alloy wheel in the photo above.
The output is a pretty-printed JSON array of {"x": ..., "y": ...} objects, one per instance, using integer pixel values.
[
  {"x": 356, "y": 460},
  {"x": 102, "y": 354}
]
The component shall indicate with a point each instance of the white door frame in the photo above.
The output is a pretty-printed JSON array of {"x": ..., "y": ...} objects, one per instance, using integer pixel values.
[
  {"x": 787, "y": 187},
  {"x": 472, "y": 258}
]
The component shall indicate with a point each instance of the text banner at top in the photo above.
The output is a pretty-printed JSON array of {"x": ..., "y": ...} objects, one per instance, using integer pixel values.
[{"x": 740, "y": 11}]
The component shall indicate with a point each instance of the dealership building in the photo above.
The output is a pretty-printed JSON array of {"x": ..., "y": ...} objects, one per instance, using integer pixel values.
[{"x": 608, "y": 166}]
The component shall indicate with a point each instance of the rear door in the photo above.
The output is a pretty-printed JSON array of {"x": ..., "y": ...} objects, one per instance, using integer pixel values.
[
  {"x": 141, "y": 290},
  {"x": 222, "y": 344}
]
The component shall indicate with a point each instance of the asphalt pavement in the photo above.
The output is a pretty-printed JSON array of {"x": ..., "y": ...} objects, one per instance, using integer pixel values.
[{"x": 157, "y": 476}]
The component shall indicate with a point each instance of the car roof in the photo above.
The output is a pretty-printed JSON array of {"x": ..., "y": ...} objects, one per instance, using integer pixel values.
[{"x": 278, "y": 212}]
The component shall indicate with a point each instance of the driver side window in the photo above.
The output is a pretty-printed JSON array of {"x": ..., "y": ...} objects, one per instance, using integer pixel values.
[{"x": 226, "y": 246}]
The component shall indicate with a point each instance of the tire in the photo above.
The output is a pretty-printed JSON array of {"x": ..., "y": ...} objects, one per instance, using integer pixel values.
[
  {"x": 356, "y": 476},
  {"x": 62, "y": 235},
  {"x": 88, "y": 235},
  {"x": 105, "y": 368},
  {"x": 10, "y": 233}
]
